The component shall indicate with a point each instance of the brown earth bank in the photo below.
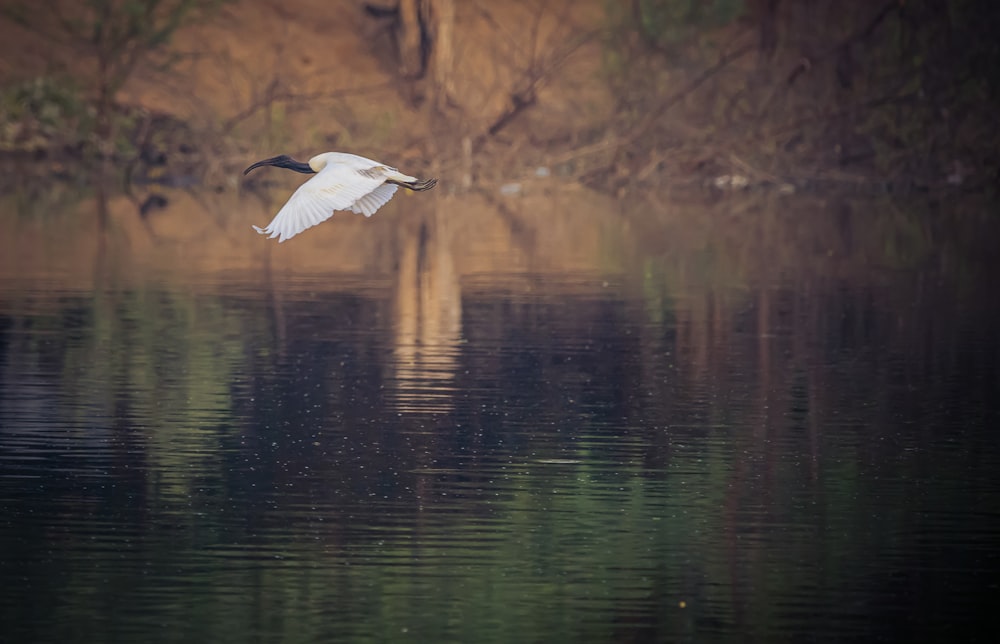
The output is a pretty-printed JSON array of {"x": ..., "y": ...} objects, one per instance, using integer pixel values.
[{"x": 620, "y": 96}]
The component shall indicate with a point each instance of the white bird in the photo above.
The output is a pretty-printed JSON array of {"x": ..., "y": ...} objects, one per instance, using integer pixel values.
[{"x": 342, "y": 182}]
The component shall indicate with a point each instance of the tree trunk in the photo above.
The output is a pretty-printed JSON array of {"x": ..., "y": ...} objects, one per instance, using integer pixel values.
[
  {"x": 425, "y": 41},
  {"x": 103, "y": 109},
  {"x": 443, "y": 51},
  {"x": 409, "y": 39},
  {"x": 765, "y": 13}
]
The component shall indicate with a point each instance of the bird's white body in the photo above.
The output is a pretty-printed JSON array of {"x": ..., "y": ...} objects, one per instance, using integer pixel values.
[{"x": 342, "y": 182}]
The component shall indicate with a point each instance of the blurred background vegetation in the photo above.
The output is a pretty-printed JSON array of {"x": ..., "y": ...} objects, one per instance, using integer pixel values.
[{"x": 617, "y": 94}]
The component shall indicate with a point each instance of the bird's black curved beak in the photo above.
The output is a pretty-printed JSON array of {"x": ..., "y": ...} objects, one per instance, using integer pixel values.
[{"x": 283, "y": 161}]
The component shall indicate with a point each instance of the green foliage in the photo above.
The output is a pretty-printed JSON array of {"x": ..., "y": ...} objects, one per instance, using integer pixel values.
[
  {"x": 116, "y": 35},
  {"x": 49, "y": 100},
  {"x": 52, "y": 114},
  {"x": 672, "y": 22},
  {"x": 44, "y": 112}
]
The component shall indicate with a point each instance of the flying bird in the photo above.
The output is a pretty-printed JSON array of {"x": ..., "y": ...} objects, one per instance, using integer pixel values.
[{"x": 342, "y": 182}]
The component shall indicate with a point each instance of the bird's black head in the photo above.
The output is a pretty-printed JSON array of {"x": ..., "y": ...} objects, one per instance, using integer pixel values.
[{"x": 283, "y": 161}]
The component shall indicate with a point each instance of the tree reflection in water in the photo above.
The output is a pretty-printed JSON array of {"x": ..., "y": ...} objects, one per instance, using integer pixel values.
[{"x": 428, "y": 317}]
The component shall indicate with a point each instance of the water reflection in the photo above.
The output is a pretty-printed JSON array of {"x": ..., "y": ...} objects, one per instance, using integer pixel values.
[
  {"x": 428, "y": 317},
  {"x": 660, "y": 430}
]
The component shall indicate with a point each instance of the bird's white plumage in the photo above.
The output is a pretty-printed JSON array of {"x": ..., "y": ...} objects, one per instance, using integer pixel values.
[
  {"x": 342, "y": 182},
  {"x": 374, "y": 200}
]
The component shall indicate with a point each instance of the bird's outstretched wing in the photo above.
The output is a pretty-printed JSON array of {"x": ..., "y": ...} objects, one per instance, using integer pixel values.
[
  {"x": 335, "y": 187},
  {"x": 374, "y": 200}
]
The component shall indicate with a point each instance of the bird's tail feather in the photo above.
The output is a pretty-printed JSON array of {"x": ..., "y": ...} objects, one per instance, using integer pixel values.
[{"x": 419, "y": 185}]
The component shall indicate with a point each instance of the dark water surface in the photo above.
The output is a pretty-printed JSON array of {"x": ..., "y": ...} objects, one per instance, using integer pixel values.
[{"x": 672, "y": 445}]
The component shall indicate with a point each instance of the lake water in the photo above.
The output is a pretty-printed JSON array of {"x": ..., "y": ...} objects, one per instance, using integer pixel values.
[{"x": 544, "y": 419}]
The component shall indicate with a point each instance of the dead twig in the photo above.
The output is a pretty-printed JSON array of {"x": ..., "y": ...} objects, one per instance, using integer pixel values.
[
  {"x": 857, "y": 36},
  {"x": 657, "y": 113}
]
